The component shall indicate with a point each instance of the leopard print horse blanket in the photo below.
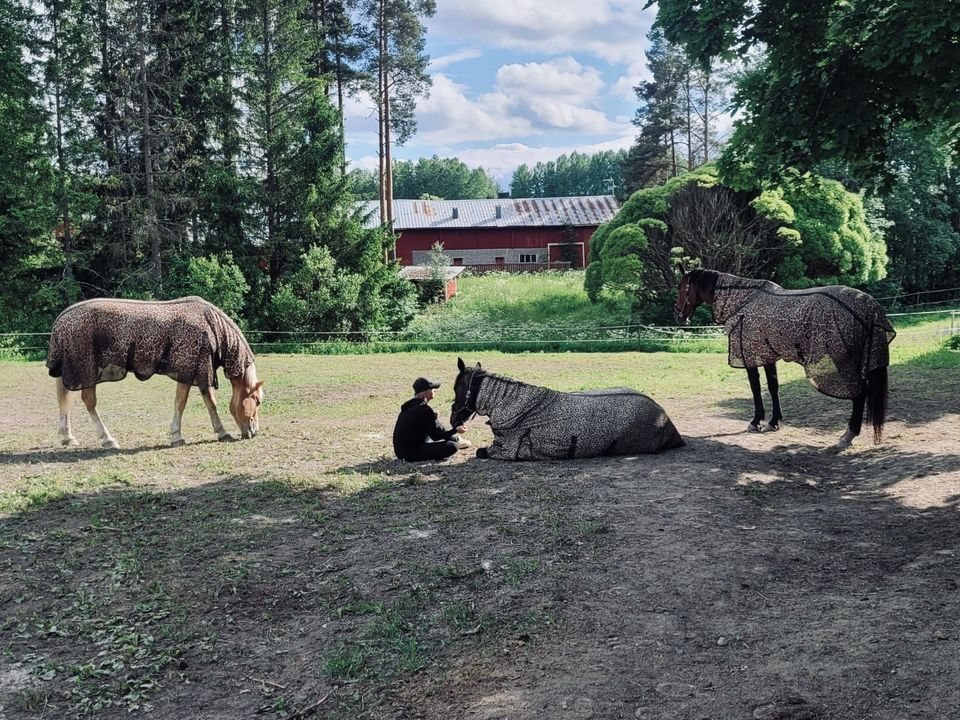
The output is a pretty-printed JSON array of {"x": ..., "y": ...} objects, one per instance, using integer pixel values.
[
  {"x": 187, "y": 339},
  {"x": 837, "y": 333},
  {"x": 536, "y": 423}
]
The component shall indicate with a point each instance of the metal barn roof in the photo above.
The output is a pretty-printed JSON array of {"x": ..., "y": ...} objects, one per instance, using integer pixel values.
[{"x": 587, "y": 210}]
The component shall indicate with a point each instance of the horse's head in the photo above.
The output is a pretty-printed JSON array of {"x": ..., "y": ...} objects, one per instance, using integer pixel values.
[
  {"x": 696, "y": 288},
  {"x": 464, "y": 394},
  {"x": 245, "y": 403}
]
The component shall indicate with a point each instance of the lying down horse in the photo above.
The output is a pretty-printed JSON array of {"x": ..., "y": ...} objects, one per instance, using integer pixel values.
[
  {"x": 187, "y": 339},
  {"x": 536, "y": 423},
  {"x": 840, "y": 335}
]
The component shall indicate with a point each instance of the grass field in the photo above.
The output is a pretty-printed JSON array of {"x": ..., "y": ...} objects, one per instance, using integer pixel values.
[{"x": 307, "y": 573}]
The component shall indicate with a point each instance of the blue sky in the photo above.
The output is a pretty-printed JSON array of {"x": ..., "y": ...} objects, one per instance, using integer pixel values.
[{"x": 521, "y": 81}]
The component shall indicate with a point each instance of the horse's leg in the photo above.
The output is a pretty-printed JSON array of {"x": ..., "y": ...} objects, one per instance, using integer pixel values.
[
  {"x": 753, "y": 374},
  {"x": 498, "y": 449},
  {"x": 210, "y": 400},
  {"x": 65, "y": 401},
  {"x": 773, "y": 385},
  {"x": 179, "y": 403},
  {"x": 855, "y": 422},
  {"x": 89, "y": 397}
]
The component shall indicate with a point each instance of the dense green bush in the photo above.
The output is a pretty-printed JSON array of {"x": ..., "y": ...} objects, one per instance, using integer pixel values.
[
  {"x": 217, "y": 279},
  {"x": 322, "y": 297},
  {"x": 811, "y": 232}
]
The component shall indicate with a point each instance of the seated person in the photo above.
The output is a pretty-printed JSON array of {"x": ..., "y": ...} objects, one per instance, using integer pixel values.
[{"x": 418, "y": 434}]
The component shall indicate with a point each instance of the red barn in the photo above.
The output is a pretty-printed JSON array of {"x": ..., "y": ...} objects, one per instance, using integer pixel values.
[{"x": 507, "y": 233}]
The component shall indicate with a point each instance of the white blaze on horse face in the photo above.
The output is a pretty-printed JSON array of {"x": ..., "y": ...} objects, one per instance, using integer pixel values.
[
  {"x": 683, "y": 298},
  {"x": 245, "y": 403}
]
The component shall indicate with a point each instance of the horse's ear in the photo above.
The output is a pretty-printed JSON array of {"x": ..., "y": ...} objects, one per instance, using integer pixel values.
[
  {"x": 259, "y": 384},
  {"x": 460, "y": 364},
  {"x": 478, "y": 366},
  {"x": 683, "y": 267}
]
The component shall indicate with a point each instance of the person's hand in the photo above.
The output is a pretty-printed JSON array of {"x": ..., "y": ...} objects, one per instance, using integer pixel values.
[{"x": 461, "y": 429}]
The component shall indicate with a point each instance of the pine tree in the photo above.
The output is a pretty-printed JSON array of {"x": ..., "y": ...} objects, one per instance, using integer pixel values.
[
  {"x": 67, "y": 60},
  {"x": 396, "y": 67},
  {"x": 27, "y": 190},
  {"x": 277, "y": 48}
]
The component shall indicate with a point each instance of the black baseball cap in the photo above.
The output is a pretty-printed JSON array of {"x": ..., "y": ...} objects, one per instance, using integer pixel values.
[{"x": 421, "y": 384}]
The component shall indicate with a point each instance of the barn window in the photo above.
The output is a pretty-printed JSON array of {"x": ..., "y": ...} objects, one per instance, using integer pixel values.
[
  {"x": 458, "y": 261},
  {"x": 528, "y": 257}
]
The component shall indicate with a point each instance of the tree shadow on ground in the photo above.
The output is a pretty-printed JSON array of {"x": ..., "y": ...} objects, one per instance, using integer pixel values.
[
  {"x": 76, "y": 454},
  {"x": 411, "y": 595}
]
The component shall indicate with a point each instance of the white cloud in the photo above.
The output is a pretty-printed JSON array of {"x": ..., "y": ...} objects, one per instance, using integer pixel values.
[
  {"x": 563, "y": 77},
  {"x": 448, "y": 116},
  {"x": 614, "y": 30},
  {"x": 528, "y": 99},
  {"x": 441, "y": 62},
  {"x": 367, "y": 162},
  {"x": 637, "y": 72}
]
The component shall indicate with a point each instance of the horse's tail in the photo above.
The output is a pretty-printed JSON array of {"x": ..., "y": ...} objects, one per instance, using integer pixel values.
[{"x": 877, "y": 401}]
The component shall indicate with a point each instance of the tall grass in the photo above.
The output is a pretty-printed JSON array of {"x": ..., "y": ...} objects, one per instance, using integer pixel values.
[{"x": 541, "y": 300}]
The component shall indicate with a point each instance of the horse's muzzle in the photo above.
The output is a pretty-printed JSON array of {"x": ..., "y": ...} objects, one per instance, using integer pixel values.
[{"x": 679, "y": 318}]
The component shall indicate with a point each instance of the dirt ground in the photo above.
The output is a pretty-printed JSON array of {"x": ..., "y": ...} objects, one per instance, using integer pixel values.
[{"x": 308, "y": 574}]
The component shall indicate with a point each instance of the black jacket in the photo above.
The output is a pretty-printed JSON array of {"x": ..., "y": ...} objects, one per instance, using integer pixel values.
[{"x": 417, "y": 421}]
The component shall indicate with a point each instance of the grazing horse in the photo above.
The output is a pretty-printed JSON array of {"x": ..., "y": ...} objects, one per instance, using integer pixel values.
[
  {"x": 840, "y": 336},
  {"x": 101, "y": 340},
  {"x": 536, "y": 423}
]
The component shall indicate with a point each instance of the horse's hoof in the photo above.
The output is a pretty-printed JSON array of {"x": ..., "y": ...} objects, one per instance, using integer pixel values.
[
  {"x": 771, "y": 428},
  {"x": 69, "y": 442},
  {"x": 753, "y": 428},
  {"x": 178, "y": 443},
  {"x": 845, "y": 441},
  {"x": 111, "y": 444},
  {"x": 483, "y": 453},
  {"x": 226, "y": 438}
]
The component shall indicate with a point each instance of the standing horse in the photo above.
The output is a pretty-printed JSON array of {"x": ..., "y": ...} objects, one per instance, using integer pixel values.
[
  {"x": 536, "y": 423},
  {"x": 840, "y": 336},
  {"x": 187, "y": 339}
]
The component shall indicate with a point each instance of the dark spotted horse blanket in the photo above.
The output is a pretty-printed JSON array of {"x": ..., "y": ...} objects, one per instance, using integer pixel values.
[
  {"x": 187, "y": 339},
  {"x": 536, "y": 423},
  {"x": 838, "y": 334}
]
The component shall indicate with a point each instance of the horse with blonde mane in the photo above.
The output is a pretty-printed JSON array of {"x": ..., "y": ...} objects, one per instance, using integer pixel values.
[{"x": 187, "y": 339}]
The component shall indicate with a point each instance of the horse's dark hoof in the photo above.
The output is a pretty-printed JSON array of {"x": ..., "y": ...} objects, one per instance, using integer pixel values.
[
  {"x": 753, "y": 428},
  {"x": 483, "y": 453},
  {"x": 226, "y": 438}
]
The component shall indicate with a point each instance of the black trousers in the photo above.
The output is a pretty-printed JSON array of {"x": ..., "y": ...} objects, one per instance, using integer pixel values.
[{"x": 433, "y": 451}]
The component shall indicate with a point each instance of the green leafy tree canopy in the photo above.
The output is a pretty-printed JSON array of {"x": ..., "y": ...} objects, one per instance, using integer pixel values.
[{"x": 835, "y": 76}]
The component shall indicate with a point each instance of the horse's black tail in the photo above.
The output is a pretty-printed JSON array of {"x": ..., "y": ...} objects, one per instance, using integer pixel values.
[{"x": 877, "y": 401}]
